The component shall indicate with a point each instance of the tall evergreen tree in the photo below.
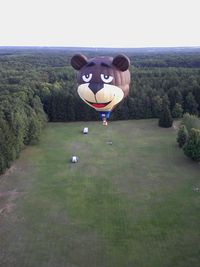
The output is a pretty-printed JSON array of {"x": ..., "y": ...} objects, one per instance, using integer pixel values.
[
  {"x": 175, "y": 97},
  {"x": 165, "y": 119},
  {"x": 156, "y": 106},
  {"x": 177, "y": 111},
  {"x": 196, "y": 93},
  {"x": 191, "y": 105},
  {"x": 70, "y": 108},
  {"x": 182, "y": 135},
  {"x": 192, "y": 148}
]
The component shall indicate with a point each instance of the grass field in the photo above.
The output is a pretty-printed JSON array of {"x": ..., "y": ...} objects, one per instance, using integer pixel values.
[{"x": 134, "y": 203}]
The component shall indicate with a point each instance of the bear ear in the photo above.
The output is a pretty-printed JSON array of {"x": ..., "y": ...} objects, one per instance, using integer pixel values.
[
  {"x": 121, "y": 62},
  {"x": 78, "y": 61}
]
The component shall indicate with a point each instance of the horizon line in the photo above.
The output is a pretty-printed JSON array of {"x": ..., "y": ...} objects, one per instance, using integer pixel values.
[{"x": 99, "y": 47}]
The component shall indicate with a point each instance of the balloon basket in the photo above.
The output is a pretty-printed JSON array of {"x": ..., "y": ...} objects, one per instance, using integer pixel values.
[{"x": 105, "y": 123}]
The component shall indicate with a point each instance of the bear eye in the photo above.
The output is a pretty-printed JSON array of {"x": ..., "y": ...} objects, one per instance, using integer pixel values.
[
  {"x": 87, "y": 77},
  {"x": 106, "y": 78}
]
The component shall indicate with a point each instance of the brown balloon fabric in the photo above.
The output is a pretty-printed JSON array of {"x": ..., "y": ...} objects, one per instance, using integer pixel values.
[{"x": 102, "y": 81}]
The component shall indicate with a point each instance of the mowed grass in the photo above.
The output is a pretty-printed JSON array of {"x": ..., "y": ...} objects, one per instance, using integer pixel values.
[{"x": 133, "y": 203}]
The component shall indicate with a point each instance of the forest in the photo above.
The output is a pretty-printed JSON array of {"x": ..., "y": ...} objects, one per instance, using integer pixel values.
[{"x": 39, "y": 85}]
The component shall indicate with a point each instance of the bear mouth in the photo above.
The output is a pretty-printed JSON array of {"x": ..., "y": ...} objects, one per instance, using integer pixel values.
[{"x": 99, "y": 105}]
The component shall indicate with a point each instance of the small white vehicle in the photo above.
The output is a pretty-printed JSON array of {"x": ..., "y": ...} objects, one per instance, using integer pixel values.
[
  {"x": 74, "y": 159},
  {"x": 85, "y": 130}
]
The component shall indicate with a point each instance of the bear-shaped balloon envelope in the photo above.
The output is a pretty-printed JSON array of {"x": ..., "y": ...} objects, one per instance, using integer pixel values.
[{"x": 102, "y": 81}]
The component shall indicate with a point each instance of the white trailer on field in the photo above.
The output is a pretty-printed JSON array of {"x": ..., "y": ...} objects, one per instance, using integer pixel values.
[
  {"x": 74, "y": 159},
  {"x": 85, "y": 130}
]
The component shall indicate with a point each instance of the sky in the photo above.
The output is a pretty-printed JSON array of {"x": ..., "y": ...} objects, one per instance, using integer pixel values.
[{"x": 100, "y": 23}]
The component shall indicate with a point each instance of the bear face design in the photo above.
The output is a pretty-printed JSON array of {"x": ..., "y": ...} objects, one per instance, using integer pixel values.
[{"x": 102, "y": 81}]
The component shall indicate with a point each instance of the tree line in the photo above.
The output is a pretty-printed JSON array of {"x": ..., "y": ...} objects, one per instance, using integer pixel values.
[
  {"x": 150, "y": 88},
  {"x": 21, "y": 120}
]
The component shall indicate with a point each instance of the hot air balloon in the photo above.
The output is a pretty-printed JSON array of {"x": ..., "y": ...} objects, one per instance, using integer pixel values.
[{"x": 102, "y": 81}]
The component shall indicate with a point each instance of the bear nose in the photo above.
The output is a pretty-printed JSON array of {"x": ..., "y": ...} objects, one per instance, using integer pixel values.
[{"x": 95, "y": 87}]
